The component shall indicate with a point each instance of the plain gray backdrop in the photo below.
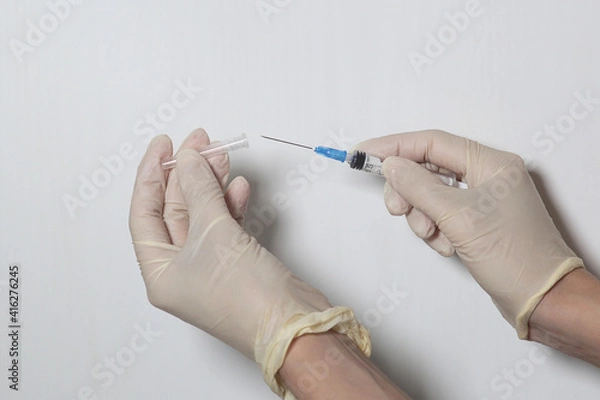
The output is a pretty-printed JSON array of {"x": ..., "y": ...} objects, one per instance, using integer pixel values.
[{"x": 86, "y": 83}]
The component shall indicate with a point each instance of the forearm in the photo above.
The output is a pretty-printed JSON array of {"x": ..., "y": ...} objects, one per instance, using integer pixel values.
[
  {"x": 330, "y": 366},
  {"x": 568, "y": 317}
]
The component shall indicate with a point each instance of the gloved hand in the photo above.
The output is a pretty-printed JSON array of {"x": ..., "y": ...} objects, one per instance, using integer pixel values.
[
  {"x": 499, "y": 227},
  {"x": 199, "y": 265}
]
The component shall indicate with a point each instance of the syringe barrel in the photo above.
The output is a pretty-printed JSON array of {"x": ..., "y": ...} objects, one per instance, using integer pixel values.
[
  {"x": 214, "y": 149},
  {"x": 367, "y": 163}
]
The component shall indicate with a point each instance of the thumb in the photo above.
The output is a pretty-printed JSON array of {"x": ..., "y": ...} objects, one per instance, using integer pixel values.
[
  {"x": 419, "y": 186},
  {"x": 201, "y": 190}
]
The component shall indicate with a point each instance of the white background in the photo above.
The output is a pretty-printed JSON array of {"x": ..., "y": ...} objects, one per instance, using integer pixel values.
[{"x": 310, "y": 71}]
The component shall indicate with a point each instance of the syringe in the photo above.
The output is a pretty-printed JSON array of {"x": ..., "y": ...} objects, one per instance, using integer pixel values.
[
  {"x": 214, "y": 149},
  {"x": 364, "y": 162}
]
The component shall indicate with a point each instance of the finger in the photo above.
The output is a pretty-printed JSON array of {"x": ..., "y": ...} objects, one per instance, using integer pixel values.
[
  {"x": 426, "y": 229},
  {"x": 440, "y": 243},
  {"x": 236, "y": 197},
  {"x": 220, "y": 167},
  {"x": 438, "y": 147},
  {"x": 201, "y": 190},
  {"x": 419, "y": 187},
  {"x": 198, "y": 139},
  {"x": 146, "y": 213},
  {"x": 421, "y": 224},
  {"x": 394, "y": 203},
  {"x": 176, "y": 212}
]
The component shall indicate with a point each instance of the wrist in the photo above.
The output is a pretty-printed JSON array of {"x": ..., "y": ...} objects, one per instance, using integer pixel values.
[
  {"x": 330, "y": 365},
  {"x": 555, "y": 310},
  {"x": 567, "y": 317}
]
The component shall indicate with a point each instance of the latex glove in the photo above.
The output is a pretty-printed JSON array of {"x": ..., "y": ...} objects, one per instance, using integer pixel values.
[
  {"x": 499, "y": 227},
  {"x": 199, "y": 265}
]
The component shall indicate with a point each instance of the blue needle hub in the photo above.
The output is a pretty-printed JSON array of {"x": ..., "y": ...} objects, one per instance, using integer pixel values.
[{"x": 334, "y": 154}]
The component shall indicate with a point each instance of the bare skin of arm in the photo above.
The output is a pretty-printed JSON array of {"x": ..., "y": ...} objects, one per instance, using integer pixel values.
[
  {"x": 568, "y": 317},
  {"x": 330, "y": 366}
]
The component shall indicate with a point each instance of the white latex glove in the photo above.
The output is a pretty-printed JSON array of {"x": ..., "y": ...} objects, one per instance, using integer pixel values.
[
  {"x": 499, "y": 227},
  {"x": 199, "y": 265}
]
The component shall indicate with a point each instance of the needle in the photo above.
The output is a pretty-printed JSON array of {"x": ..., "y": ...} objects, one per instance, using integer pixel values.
[
  {"x": 364, "y": 162},
  {"x": 285, "y": 141}
]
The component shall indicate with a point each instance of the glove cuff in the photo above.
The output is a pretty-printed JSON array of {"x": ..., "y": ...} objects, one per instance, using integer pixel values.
[
  {"x": 338, "y": 319},
  {"x": 522, "y": 318}
]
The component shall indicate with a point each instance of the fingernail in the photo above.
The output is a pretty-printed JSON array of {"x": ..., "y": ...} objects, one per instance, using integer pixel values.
[{"x": 157, "y": 138}]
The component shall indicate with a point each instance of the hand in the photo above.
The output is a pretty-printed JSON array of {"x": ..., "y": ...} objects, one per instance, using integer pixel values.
[
  {"x": 199, "y": 265},
  {"x": 499, "y": 227}
]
